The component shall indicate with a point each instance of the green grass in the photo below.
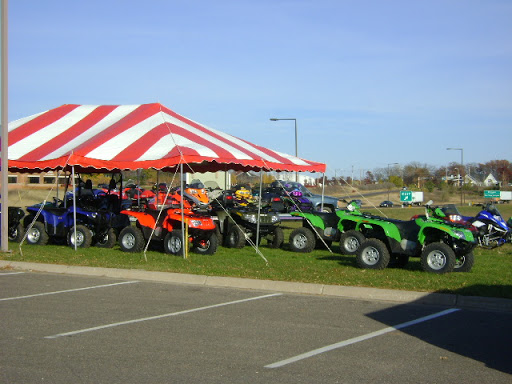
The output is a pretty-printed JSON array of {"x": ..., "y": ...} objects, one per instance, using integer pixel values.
[{"x": 491, "y": 275}]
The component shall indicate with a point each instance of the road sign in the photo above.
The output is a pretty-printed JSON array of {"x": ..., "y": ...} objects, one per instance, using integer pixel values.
[
  {"x": 492, "y": 194},
  {"x": 406, "y": 196}
]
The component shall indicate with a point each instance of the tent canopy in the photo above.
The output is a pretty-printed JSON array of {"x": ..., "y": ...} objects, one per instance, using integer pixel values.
[{"x": 106, "y": 138}]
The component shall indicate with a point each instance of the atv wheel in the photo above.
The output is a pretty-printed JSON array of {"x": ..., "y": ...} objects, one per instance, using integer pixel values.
[
  {"x": 438, "y": 258},
  {"x": 108, "y": 240},
  {"x": 350, "y": 242},
  {"x": 173, "y": 242},
  {"x": 207, "y": 246},
  {"x": 37, "y": 234},
  {"x": 464, "y": 263},
  {"x": 17, "y": 234},
  {"x": 372, "y": 254},
  {"x": 277, "y": 238},
  {"x": 131, "y": 239},
  {"x": 235, "y": 238},
  {"x": 83, "y": 237},
  {"x": 302, "y": 240},
  {"x": 218, "y": 234}
]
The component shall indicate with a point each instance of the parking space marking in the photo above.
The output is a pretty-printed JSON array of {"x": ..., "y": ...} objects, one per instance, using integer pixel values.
[
  {"x": 359, "y": 338},
  {"x": 112, "y": 325},
  {"x": 67, "y": 291},
  {"x": 11, "y": 273}
]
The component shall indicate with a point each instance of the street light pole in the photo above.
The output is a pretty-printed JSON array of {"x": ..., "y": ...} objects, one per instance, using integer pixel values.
[
  {"x": 296, "y": 139},
  {"x": 462, "y": 166},
  {"x": 389, "y": 177}
]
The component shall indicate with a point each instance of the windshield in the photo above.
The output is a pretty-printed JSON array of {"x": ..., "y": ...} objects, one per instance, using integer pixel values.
[
  {"x": 493, "y": 209},
  {"x": 451, "y": 209}
]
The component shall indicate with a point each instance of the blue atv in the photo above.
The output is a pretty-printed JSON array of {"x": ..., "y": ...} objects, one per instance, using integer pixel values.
[{"x": 55, "y": 223}]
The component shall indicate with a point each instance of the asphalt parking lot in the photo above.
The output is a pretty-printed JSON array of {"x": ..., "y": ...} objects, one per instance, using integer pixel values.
[{"x": 59, "y": 328}]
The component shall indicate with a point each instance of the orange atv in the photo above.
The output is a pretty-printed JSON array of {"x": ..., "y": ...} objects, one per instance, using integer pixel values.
[{"x": 163, "y": 213}]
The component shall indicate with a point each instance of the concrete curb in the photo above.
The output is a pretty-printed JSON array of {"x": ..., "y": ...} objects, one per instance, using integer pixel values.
[{"x": 362, "y": 293}]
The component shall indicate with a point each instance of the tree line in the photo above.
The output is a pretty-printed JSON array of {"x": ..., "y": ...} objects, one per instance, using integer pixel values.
[{"x": 419, "y": 175}]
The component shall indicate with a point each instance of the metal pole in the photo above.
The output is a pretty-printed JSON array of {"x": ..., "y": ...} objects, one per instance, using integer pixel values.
[
  {"x": 462, "y": 166},
  {"x": 259, "y": 213},
  {"x": 296, "y": 141},
  {"x": 323, "y": 192},
  {"x": 5, "y": 133},
  {"x": 74, "y": 203},
  {"x": 183, "y": 244},
  {"x": 296, "y": 150}
]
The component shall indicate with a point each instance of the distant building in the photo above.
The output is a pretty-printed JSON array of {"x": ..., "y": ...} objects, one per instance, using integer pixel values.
[{"x": 488, "y": 181}]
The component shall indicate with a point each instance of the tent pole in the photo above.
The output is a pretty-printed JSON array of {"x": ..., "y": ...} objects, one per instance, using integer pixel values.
[
  {"x": 74, "y": 203},
  {"x": 323, "y": 191},
  {"x": 5, "y": 132},
  {"x": 182, "y": 213},
  {"x": 259, "y": 212}
]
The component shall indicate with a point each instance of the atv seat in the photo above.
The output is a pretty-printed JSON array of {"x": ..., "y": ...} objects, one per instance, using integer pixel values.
[
  {"x": 55, "y": 211},
  {"x": 408, "y": 229},
  {"x": 154, "y": 213},
  {"x": 330, "y": 219}
]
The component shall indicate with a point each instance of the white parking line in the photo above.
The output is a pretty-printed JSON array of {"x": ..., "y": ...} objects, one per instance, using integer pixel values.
[
  {"x": 358, "y": 339},
  {"x": 66, "y": 291},
  {"x": 159, "y": 316},
  {"x": 10, "y": 273}
]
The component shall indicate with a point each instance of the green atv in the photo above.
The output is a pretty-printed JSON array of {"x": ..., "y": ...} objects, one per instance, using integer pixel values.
[
  {"x": 343, "y": 225},
  {"x": 377, "y": 241}
]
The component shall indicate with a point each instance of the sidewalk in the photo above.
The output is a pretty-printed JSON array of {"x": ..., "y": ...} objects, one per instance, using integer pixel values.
[{"x": 361, "y": 293}]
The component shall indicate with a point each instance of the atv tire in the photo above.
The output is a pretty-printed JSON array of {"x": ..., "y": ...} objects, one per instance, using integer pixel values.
[
  {"x": 277, "y": 238},
  {"x": 83, "y": 237},
  {"x": 302, "y": 240},
  {"x": 438, "y": 258},
  {"x": 372, "y": 254},
  {"x": 108, "y": 240},
  {"x": 17, "y": 234},
  {"x": 207, "y": 246},
  {"x": 37, "y": 234},
  {"x": 235, "y": 237},
  {"x": 464, "y": 263},
  {"x": 173, "y": 243},
  {"x": 131, "y": 239},
  {"x": 350, "y": 242}
]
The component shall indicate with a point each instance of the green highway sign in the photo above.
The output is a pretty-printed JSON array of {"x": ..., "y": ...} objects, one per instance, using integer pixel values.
[
  {"x": 492, "y": 194},
  {"x": 406, "y": 196}
]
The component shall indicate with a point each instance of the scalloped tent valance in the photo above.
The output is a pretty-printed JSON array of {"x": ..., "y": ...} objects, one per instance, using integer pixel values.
[{"x": 106, "y": 138}]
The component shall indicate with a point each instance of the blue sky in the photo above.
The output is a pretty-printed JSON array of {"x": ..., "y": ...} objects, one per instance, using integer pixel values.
[{"x": 370, "y": 82}]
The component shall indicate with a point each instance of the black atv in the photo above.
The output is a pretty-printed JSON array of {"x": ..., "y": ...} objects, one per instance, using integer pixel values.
[
  {"x": 15, "y": 231},
  {"x": 238, "y": 222}
]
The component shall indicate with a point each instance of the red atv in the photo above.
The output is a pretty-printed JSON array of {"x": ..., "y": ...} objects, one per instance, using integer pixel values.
[{"x": 161, "y": 220}]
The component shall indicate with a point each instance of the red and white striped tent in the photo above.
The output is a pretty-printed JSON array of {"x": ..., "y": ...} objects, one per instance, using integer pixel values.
[{"x": 101, "y": 138}]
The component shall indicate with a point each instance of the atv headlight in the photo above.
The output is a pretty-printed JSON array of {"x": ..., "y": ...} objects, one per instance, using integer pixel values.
[
  {"x": 459, "y": 235},
  {"x": 250, "y": 217},
  {"x": 274, "y": 219},
  {"x": 195, "y": 223}
]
